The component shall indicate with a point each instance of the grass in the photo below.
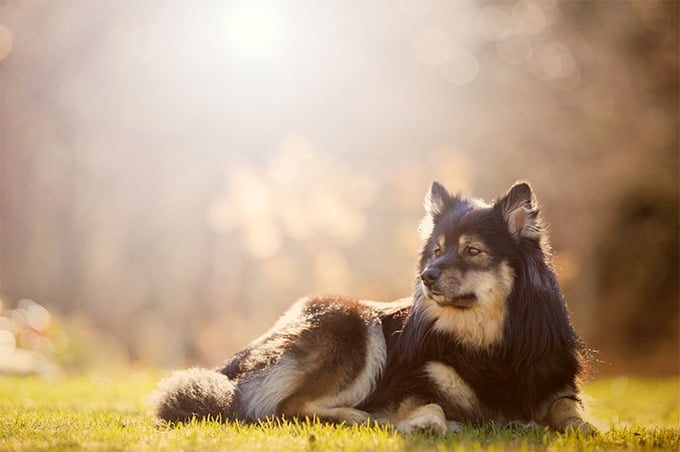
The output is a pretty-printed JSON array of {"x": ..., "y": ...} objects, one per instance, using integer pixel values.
[{"x": 89, "y": 413}]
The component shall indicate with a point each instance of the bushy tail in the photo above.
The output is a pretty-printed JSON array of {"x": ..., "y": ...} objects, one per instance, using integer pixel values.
[{"x": 195, "y": 393}]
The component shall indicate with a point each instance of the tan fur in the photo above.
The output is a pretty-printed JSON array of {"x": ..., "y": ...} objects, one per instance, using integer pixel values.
[
  {"x": 481, "y": 325},
  {"x": 467, "y": 240},
  {"x": 452, "y": 386},
  {"x": 566, "y": 413},
  {"x": 413, "y": 416}
]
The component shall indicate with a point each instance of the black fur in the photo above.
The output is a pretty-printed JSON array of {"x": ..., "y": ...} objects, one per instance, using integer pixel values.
[
  {"x": 540, "y": 353},
  {"x": 324, "y": 348}
]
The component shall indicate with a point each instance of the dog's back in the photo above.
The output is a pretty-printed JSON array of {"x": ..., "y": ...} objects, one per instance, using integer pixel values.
[{"x": 321, "y": 359}]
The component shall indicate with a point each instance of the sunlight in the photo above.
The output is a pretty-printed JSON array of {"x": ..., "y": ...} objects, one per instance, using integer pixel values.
[{"x": 252, "y": 29}]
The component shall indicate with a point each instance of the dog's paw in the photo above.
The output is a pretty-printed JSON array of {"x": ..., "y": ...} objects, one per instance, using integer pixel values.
[
  {"x": 454, "y": 427},
  {"x": 429, "y": 424},
  {"x": 347, "y": 415},
  {"x": 530, "y": 425},
  {"x": 581, "y": 426},
  {"x": 352, "y": 416},
  {"x": 428, "y": 419}
]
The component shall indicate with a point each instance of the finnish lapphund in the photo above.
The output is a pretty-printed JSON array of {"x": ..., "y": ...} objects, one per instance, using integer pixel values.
[{"x": 485, "y": 337}]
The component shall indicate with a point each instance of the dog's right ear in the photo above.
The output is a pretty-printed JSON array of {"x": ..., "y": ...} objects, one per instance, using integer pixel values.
[
  {"x": 520, "y": 212},
  {"x": 437, "y": 199}
]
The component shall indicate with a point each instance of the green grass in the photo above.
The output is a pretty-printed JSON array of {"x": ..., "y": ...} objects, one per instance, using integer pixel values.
[{"x": 88, "y": 413}]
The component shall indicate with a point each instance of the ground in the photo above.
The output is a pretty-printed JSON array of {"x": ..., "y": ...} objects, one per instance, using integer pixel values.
[{"x": 110, "y": 413}]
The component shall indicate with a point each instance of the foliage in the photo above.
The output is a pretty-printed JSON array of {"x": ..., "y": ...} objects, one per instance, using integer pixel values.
[{"x": 109, "y": 413}]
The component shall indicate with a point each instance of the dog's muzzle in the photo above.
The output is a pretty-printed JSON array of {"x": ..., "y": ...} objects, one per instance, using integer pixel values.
[
  {"x": 462, "y": 301},
  {"x": 430, "y": 276}
]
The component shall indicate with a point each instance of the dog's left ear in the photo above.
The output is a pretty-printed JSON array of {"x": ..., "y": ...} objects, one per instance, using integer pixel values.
[{"x": 520, "y": 212}]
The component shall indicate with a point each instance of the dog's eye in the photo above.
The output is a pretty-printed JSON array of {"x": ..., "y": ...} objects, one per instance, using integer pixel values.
[
  {"x": 437, "y": 252},
  {"x": 472, "y": 251}
]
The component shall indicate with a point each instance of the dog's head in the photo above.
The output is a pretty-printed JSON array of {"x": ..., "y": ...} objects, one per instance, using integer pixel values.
[{"x": 472, "y": 256}]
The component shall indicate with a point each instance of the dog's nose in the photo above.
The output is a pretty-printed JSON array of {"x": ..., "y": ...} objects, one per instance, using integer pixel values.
[{"x": 430, "y": 276}]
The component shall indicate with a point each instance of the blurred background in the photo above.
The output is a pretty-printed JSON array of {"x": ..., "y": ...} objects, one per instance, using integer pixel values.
[{"x": 174, "y": 174}]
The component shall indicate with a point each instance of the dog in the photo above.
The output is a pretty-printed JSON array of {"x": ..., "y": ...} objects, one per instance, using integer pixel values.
[{"x": 484, "y": 338}]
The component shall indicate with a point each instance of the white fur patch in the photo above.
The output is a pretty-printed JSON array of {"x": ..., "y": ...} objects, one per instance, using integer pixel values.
[
  {"x": 482, "y": 324},
  {"x": 450, "y": 383},
  {"x": 263, "y": 393},
  {"x": 363, "y": 384}
]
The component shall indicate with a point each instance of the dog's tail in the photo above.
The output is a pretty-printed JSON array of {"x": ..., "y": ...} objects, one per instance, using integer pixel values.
[{"x": 195, "y": 393}]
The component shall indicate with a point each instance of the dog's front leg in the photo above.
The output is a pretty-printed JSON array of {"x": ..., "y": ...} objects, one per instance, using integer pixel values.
[
  {"x": 414, "y": 416},
  {"x": 566, "y": 413},
  {"x": 426, "y": 418}
]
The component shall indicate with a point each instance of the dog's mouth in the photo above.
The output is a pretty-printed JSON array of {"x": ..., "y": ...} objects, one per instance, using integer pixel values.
[{"x": 464, "y": 301}]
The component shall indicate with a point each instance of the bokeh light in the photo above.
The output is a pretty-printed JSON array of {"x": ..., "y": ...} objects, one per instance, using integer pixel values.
[
  {"x": 461, "y": 68},
  {"x": 433, "y": 46},
  {"x": 6, "y": 42},
  {"x": 174, "y": 174}
]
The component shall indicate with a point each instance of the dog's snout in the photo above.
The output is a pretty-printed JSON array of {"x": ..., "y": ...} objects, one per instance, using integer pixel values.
[{"x": 430, "y": 276}]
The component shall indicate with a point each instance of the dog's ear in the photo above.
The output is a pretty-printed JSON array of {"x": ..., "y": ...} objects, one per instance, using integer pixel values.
[
  {"x": 437, "y": 199},
  {"x": 520, "y": 212}
]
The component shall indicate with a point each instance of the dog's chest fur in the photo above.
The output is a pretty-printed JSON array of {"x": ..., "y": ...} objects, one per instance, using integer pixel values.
[
  {"x": 503, "y": 388},
  {"x": 471, "y": 384}
]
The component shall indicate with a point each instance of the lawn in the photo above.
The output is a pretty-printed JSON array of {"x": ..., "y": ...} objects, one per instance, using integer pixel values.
[{"x": 97, "y": 413}]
